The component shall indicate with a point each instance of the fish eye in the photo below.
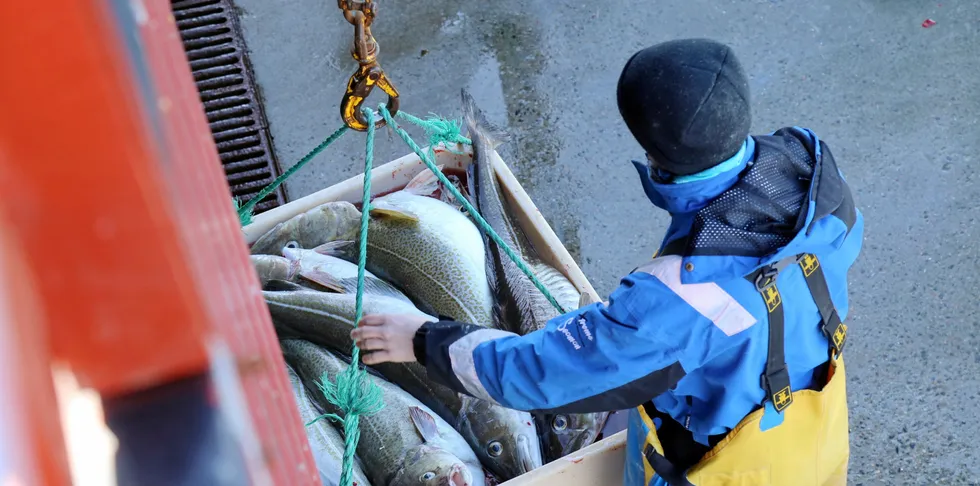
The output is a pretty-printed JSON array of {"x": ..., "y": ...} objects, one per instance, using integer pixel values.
[
  {"x": 560, "y": 423},
  {"x": 427, "y": 476},
  {"x": 292, "y": 244},
  {"x": 495, "y": 449}
]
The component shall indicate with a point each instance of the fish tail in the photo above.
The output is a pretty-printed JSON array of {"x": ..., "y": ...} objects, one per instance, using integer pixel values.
[
  {"x": 476, "y": 121},
  {"x": 424, "y": 183},
  {"x": 333, "y": 248},
  {"x": 323, "y": 278}
]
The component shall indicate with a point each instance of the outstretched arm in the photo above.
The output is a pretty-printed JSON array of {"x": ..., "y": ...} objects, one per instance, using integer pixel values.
[{"x": 602, "y": 357}]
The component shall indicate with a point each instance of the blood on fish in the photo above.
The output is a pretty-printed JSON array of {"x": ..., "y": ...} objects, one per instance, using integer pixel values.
[{"x": 928, "y": 23}]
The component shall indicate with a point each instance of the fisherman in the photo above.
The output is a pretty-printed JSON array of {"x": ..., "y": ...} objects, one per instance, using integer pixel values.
[{"x": 726, "y": 346}]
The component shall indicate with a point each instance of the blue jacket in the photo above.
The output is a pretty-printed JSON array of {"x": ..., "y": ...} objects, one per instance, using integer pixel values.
[{"x": 690, "y": 332}]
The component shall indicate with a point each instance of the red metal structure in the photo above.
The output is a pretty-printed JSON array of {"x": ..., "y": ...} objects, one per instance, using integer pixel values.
[{"x": 121, "y": 255}]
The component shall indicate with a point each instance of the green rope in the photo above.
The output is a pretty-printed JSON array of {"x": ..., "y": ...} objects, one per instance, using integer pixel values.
[
  {"x": 439, "y": 131},
  {"x": 476, "y": 216},
  {"x": 245, "y": 218},
  {"x": 365, "y": 218},
  {"x": 245, "y": 212},
  {"x": 329, "y": 416},
  {"x": 353, "y": 393}
]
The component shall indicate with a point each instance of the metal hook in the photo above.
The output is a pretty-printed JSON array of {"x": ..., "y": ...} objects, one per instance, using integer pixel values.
[{"x": 368, "y": 75}]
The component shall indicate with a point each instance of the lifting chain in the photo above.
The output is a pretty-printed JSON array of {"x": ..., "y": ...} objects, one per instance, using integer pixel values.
[{"x": 360, "y": 13}]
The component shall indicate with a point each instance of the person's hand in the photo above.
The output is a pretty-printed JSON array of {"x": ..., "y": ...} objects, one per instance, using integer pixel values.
[{"x": 387, "y": 337}]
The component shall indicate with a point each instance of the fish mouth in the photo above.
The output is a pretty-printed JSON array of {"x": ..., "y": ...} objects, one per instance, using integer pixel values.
[
  {"x": 295, "y": 267},
  {"x": 290, "y": 253},
  {"x": 526, "y": 460},
  {"x": 573, "y": 442},
  {"x": 458, "y": 476}
]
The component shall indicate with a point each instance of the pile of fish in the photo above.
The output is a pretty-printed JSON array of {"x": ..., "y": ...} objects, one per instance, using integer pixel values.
[{"x": 427, "y": 257}]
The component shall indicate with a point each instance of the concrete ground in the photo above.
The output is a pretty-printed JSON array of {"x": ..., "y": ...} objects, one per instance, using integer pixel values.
[{"x": 898, "y": 103}]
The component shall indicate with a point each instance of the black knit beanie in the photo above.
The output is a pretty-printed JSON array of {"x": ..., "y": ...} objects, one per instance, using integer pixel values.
[{"x": 686, "y": 102}]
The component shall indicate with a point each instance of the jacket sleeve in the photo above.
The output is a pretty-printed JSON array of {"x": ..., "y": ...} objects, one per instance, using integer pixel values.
[{"x": 602, "y": 357}]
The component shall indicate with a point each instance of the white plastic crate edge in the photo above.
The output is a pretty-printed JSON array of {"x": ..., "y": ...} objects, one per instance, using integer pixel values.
[{"x": 599, "y": 464}]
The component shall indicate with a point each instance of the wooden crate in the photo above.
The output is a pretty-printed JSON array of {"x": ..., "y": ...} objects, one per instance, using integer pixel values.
[{"x": 600, "y": 463}]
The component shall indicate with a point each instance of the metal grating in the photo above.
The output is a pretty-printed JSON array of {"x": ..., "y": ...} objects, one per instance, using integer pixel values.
[{"x": 216, "y": 52}]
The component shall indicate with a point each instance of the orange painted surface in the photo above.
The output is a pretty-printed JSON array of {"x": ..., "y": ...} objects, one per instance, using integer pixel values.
[
  {"x": 113, "y": 188},
  {"x": 83, "y": 185},
  {"x": 216, "y": 252}
]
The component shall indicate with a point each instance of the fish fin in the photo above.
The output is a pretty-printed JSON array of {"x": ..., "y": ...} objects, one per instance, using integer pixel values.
[
  {"x": 424, "y": 183},
  {"x": 477, "y": 121},
  {"x": 322, "y": 278},
  {"x": 377, "y": 286},
  {"x": 512, "y": 305},
  {"x": 471, "y": 179},
  {"x": 333, "y": 248},
  {"x": 276, "y": 285},
  {"x": 396, "y": 214},
  {"x": 425, "y": 423},
  {"x": 381, "y": 209},
  {"x": 294, "y": 268},
  {"x": 502, "y": 311}
]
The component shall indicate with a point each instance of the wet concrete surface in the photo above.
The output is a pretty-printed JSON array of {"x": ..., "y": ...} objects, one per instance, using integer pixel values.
[{"x": 898, "y": 104}]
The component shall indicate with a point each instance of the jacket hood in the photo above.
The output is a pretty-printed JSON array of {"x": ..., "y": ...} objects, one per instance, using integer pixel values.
[
  {"x": 682, "y": 195},
  {"x": 783, "y": 197}
]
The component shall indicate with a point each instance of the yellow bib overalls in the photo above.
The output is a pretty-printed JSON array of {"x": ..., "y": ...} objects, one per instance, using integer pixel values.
[{"x": 810, "y": 446}]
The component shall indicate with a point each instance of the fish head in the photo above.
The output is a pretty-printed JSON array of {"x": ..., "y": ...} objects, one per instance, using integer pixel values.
[
  {"x": 505, "y": 440},
  {"x": 292, "y": 252},
  {"x": 298, "y": 258},
  {"x": 427, "y": 465},
  {"x": 563, "y": 434},
  {"x": 326, "y": 222},
  {"x": 272, "y": 267}
]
